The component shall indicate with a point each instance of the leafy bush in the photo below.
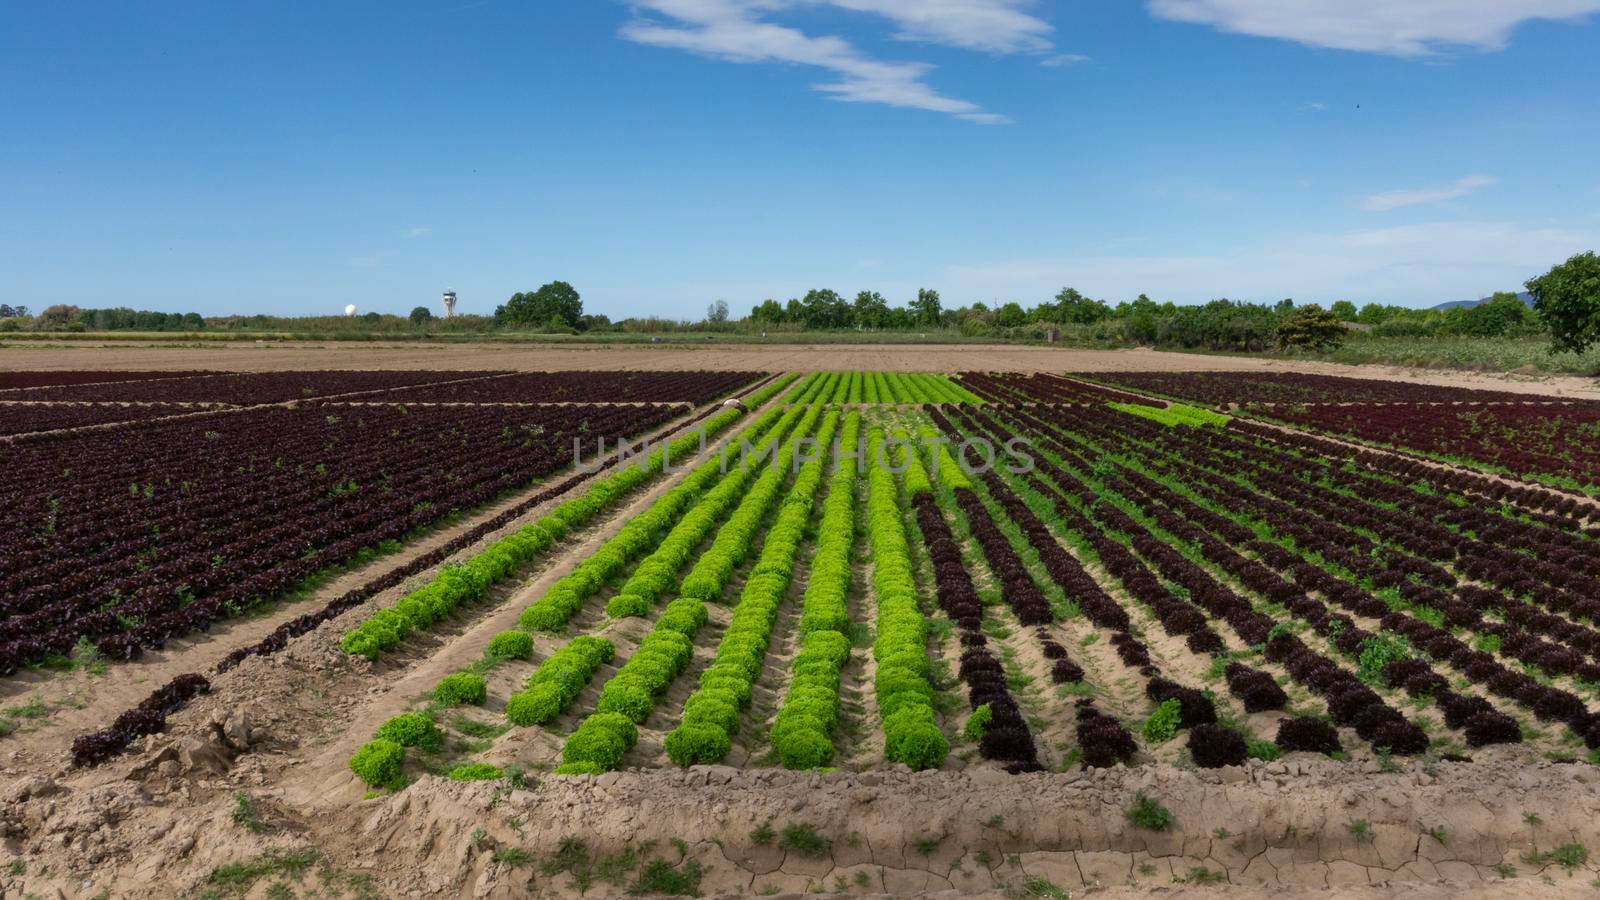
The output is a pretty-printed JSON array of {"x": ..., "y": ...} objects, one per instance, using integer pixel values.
[
  {"x": 535, "y": 705},
  {"x": 512, "y": 645},
  {"x": 804, "y": 748},
  {"x": 378, "y": 762},
  {"x": 461, "y": 688},
  {"x": 687, "y": 745},
  {"x": 412, "y": 730},
  {"x": 1163, "y": 723},
  {"x": 977, "y": 722}
]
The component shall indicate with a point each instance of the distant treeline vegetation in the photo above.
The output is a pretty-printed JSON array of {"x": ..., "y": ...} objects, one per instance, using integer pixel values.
[{"x": 1566, "y": 308}]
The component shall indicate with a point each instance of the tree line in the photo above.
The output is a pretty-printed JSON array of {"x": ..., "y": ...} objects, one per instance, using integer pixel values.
[{"x": 1566, "y": 307}]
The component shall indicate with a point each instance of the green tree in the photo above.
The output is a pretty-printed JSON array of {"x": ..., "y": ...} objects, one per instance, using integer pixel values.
[
  {"x": 1345, "y": 310},
  {"x": 1568, "y": 299},
  {"x": 1010, "y": 315},
  {"x": 1310, "y": 328},
  {"x": 421, "y": 315},
  {"x": 1074, "y": 308},
  {"x": 768, "y": 312},
  {"x": 1501, "y": 314},
  {"x": 871, "y": 310},
  {"x": 824, "y": 308},
  {"x": 555, "y": 301},
  {"x": 926, "y": 309},
  {"x": 717, "y": 312}
]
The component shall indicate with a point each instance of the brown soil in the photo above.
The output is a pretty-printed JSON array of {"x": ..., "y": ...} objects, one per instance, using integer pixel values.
[{"x": 268, "y": 357}]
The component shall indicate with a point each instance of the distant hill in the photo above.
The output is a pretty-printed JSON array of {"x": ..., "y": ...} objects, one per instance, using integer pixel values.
[{"x": 1525, "y": 297}]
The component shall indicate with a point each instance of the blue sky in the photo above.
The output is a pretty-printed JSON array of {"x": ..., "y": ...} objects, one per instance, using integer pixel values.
[{"x": 661, "y": 154}]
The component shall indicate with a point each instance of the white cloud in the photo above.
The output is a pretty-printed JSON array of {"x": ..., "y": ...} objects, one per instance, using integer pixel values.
[
  {"x": 1417, "y": 265},
  {"x": 1061, "y": 60},
  {"x": 740, "y": 31},
  {"x": 1455, "y": 190},
  {"x": 1396, "y": 27},
  {"x": 996, "y": 26},
  {"x": 1314, "y": 106},
  {"x": 419, "y": 232}
]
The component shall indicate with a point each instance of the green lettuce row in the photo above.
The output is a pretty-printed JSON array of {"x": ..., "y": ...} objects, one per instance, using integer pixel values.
[
  {"x": 711, "y": 571},
  {"x": 558, "y": 681},
  {"x": 886, "y": 392},
  {"x": 841, "y": 388},
  {"x": 564, "y": 598},
  {"x": 470, "y": 581},
  {"x": 869, "y": 388},
  {"x": 711, "y": 714},
  {"x": 901, "y": 686},
  {"x": 854, "y": 394},
  {"x": 807, "y": 387},
  {"x": 957, "y": 391},
  {"x": 950, "y": 473},
  {"x": 659, "y": 571},
  {"x": 632, "y": 693},
  {"x": 803, "y": 731},
  {"x": 824, "y": 607},
  {"x": 629, "y": 696}
]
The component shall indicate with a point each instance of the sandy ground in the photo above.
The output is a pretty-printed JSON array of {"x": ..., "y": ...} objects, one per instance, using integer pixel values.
[{"x": 776, "y": 357}]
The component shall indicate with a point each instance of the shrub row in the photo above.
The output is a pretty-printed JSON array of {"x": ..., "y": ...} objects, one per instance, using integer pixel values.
[
  {"x": 803, "y": 731},
  {"x": 901, "y": 686},
  {"x": 564, "y": 598},
  {"x": 656, "y": 574},
  {"x": 711, "y": 714},
  {"x": 558, "y": 681},
  {"x": 711, "y": 571},
  {"x": 469, "y": 582}
]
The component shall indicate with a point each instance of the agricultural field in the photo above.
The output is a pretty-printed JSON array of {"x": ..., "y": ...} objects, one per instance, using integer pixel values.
[{"x": 851, "y": 631}]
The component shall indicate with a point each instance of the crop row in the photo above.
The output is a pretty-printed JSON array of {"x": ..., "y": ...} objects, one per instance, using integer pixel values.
[
  {"x": 901, "y": 684},
  {"x": 1160, "y": 503},
  {"x": 582, "y": 387},
  {"x": 629, "y": 696},
  {"x": 32, "y": 418},
  {"x": 1290, "y": 388},
  {"x": 472, "y": 580},
  {"x": 1190, "y": 708},
  {"x": 1555, "y": 444},
  {"x": 1040, "y": 387},
  {"x": 129, "y": 537},
  {"x": 711, "y": 714},
  {"x": 641, "y": 534},
  {"x": 1000, "y": 728},
  {"x": 251, "y": 388},
  {"x": 802, "y": 733},
  {"x": 1410, "y": 607},
  {"x": 23, "y": 381},
  {"x": 95, "y": 747}
]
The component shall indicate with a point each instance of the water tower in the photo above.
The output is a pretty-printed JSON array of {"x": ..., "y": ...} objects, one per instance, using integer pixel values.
[
  {"x": 350, "y": 311},
  {"x": 449, "y": 304}
]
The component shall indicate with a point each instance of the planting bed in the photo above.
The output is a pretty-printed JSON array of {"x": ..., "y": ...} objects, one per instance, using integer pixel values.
[{"x": 1090, "y": 614}]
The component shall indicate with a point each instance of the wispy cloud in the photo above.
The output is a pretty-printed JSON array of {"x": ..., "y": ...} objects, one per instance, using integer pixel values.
[
  {"x": 370, "y": 260},
  {"x": 1414, "y": 264},
  {"x": 1313, "y": 106},
  {"x": 742, "y": 31},
  {"x": 1395, "y": 27},
  {"x": 1061, "y": 60},
  {"x": 419, "y": 232},
  {"x": 995, "y": 26},
  {"x": 1387, "y": 200}
]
